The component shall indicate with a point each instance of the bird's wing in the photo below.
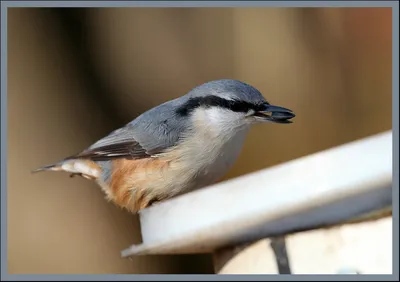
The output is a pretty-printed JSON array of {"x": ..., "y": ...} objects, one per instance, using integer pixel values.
[
  {"x": 149, "y": 134},
  {"x": 120, "y": 143},
  {"x": 128, "y": 149}
]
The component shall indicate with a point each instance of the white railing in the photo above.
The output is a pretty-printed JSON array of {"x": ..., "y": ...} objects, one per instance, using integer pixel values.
[{"x": 310, "y": 192}]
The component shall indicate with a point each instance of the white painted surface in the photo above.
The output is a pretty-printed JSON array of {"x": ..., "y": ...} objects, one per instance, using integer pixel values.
[
  {"x": 278, "y": 199},
  {"x": 364, "y": 247}
]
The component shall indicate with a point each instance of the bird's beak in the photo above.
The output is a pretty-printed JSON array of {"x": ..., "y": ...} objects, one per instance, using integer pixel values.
[{"x": 275, "y": 114}]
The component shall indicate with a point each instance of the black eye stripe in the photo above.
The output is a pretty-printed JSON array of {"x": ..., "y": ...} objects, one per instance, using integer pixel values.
[{"x": 215, "y": 101}]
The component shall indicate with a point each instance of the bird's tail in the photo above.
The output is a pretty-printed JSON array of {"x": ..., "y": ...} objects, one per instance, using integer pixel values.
[
  {"x": 85, "y": 168},
  {"x": 53, "y": 167}
]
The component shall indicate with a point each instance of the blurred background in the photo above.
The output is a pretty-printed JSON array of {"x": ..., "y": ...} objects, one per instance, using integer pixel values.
[{"x": 74, "y": 75}]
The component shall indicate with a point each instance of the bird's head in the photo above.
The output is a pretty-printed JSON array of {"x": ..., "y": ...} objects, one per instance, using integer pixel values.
[{"x": 231, "y": 104}]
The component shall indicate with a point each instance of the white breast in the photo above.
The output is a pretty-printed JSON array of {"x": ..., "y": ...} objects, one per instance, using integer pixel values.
[{"x": 213, "y": 147}]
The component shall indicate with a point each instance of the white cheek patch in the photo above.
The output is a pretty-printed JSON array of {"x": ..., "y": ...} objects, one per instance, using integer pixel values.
[
  {"x": 218, "y": 119},
  {"x": 216, "y": 115},
  {"x": 222, "y": 117}
]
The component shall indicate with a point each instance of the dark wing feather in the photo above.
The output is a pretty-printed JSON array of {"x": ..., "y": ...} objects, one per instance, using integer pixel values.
[
  {"x": 118, "y": 144},
  {"x": 149, "y": 134},
  {"x": 127, "y": 150}
]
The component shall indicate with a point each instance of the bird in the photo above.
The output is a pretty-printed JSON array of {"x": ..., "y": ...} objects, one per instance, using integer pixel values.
[{"x": 176, "y": 147}]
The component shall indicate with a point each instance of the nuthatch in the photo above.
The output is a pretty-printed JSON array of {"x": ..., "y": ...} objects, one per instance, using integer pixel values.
[{"x": 181, "y": 145}]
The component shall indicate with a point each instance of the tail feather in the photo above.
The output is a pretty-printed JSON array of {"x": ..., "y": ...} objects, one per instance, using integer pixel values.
[
  {"x": 54, "y": 167},
  {"x": 84, "y": 168}
]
